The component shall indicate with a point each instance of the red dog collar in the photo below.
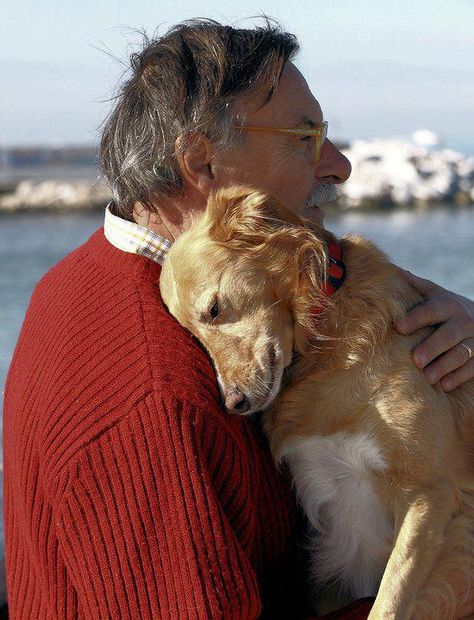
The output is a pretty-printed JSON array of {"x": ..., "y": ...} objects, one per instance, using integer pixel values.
[{"x": 335, "y": 274}]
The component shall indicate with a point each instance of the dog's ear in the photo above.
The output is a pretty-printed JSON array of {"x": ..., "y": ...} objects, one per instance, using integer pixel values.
[{"x": 245, "y": 214}]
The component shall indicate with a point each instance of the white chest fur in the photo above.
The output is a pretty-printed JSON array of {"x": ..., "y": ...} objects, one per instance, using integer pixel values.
[{"x": 354, "y": 537}]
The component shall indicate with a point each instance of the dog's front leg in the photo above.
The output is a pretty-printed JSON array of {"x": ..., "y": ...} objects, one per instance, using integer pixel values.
[{"x": 420, "y": 536}]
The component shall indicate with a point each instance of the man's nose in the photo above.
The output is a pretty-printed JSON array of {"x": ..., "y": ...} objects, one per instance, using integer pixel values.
[{"x": 333, "y": 167}]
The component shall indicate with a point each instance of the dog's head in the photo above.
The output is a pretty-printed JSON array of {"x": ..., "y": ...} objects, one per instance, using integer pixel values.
[{"x": 243, "y": 280}]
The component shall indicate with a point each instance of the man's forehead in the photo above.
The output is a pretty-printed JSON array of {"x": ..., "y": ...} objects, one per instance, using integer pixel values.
[{"x": 292, "y": 105}]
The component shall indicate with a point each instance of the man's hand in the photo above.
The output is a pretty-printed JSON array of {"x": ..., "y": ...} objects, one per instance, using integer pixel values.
[{"x": 447, "y": 355}]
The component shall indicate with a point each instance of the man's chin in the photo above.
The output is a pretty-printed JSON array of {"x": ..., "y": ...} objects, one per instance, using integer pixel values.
[
  {"x": 320, "y": 194},
  {"x": 314, "y": 214}
]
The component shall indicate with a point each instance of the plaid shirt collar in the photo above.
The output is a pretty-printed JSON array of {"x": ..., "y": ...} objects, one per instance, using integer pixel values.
[{"x": 133, "y": 238}]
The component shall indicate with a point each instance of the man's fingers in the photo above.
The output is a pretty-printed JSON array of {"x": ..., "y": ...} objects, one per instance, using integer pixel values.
[
  {"x": 445, "y": 338},
  {"x": 452, "y": 360},
  {"x": 459, "y": 376},
  {"x": 427, "y": 313},
  {"x": 445, "y": 355}
]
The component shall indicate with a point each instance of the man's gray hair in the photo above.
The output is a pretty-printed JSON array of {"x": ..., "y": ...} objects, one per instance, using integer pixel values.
[{"x": 187, "y": 81}]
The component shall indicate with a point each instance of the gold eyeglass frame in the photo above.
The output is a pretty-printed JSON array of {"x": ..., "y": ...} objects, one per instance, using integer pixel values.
[{"x": 320, "y": 134}]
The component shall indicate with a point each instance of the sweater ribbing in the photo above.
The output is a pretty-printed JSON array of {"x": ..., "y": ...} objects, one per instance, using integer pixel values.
[{"x": 129, "y": 493}]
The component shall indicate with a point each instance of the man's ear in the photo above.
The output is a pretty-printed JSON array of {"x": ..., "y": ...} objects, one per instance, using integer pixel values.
[
  {"x": 194, "y": 155},
  {"x": 246, "y": 214}
]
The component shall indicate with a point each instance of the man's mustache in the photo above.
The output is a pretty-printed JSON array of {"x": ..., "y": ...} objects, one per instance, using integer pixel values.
[{"x": 322, "y": 193}]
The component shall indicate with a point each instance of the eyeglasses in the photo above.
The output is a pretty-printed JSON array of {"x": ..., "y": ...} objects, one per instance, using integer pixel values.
[{"x": 319, "y": 135}]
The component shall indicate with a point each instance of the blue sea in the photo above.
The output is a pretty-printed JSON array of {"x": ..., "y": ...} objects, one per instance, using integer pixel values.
[{"x": 434, "y": 243}]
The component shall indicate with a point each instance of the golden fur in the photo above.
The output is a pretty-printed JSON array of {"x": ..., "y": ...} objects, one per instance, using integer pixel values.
[{"x": 264, "y": 267}]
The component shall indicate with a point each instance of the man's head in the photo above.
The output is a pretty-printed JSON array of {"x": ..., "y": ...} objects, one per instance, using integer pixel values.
[
  {"x": 281, "y": 163},
  {"x": 178, "y": 130}
]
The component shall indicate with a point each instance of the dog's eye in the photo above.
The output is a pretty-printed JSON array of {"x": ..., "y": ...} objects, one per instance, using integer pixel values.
[{"x": 214, "y": 311}]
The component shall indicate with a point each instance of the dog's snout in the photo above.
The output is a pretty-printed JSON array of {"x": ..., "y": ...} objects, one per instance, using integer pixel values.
[{"x": 235, "y": 400}]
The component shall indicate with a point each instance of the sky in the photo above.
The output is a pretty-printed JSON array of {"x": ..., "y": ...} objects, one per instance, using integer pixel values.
[{"x": 378, "y": 67}]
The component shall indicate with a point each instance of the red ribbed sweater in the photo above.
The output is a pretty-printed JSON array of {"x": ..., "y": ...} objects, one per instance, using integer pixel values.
[{"x": 129, "y": 493}]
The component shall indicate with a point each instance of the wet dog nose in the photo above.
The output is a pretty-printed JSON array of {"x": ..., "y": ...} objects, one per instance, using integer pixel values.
[{"x": 235, "y": 401}]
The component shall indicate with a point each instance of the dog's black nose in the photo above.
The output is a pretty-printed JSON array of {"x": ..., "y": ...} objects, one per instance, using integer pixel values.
[
  {"x": 235, "y": 400},
  {"x": 243, "y": 405}
]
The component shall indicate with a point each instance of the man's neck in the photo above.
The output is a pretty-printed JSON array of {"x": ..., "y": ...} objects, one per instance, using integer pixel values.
[{"x": 171, "y": 218}]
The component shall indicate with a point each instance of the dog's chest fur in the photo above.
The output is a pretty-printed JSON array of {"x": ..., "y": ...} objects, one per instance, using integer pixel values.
[{"x": 332, "y": 476}]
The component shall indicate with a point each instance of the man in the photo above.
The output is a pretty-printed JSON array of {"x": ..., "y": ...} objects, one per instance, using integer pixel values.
[{"x": 128, "y": 492}]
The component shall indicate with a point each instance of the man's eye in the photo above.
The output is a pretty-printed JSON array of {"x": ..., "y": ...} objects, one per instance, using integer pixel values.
[
  {"x": 307, "y": 138},
  {"x": 214, "y": 311}
]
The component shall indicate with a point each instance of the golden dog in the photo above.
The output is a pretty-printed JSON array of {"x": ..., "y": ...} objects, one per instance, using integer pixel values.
[{"x": 381, "y": 461}]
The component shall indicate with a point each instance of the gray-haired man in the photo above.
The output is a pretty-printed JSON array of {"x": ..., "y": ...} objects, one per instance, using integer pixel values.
[{"x": 128, "y": 492}]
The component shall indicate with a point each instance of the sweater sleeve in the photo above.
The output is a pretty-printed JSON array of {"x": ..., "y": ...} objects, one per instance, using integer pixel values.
[{"x": 142, "y": 529}]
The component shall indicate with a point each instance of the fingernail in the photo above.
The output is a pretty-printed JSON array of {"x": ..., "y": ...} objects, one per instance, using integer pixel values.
[
  {"x": 447, "y": 385},
  {"x": 400, "y": 327},
  {"x": 419, "y": 359},
  {"x": 431, "y": 376}
]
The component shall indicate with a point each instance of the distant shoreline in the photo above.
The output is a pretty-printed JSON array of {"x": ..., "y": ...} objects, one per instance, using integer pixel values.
[
  {"x": 331, "y": 210},
  {"x": 411, "y": 172}
]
